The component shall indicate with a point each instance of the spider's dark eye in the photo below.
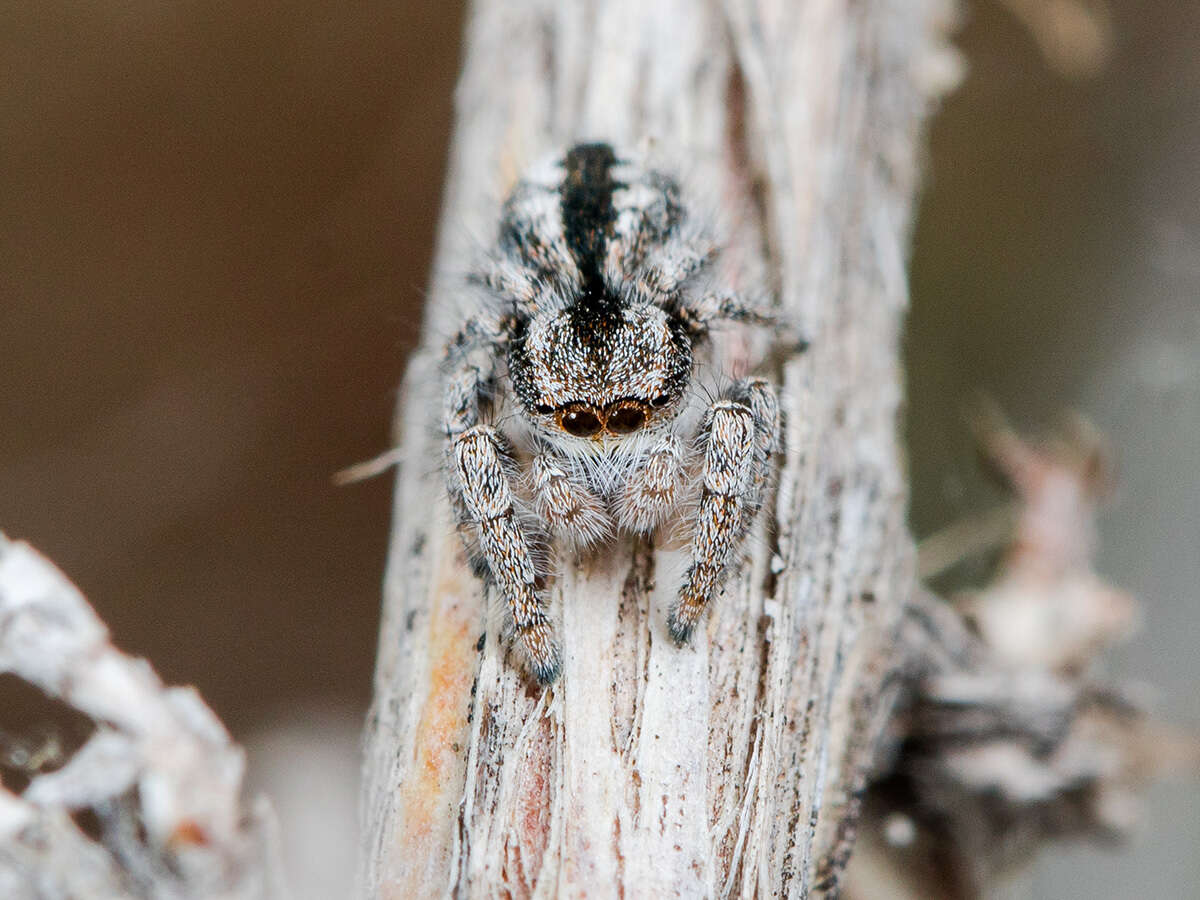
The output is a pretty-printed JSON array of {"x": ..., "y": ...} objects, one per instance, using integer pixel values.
[
  {"x": 543, "y": 410},
  {"x": 580, "y": 421},
  {"x": 626, "y": 419},
  {"x": 660, "y": 401}
]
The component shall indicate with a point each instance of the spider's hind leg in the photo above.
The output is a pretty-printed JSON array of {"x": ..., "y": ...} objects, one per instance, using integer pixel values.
[{"x": 700, "y": 316}]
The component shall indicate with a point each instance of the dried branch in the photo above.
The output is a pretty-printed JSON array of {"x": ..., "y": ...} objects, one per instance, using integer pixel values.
[
  {"x": 732, "y": 768},
  {"x": 159, "y": 771},
  {"x": 1009, "y": 739}
]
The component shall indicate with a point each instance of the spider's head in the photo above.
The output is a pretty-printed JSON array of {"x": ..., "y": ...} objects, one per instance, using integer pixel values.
[{"x": 601, "y": 374}]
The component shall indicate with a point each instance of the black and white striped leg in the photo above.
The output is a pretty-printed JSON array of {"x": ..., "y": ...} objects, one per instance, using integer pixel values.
[
  {"x": 480, "y": 485},
  {"x": 740, "y": 434}
]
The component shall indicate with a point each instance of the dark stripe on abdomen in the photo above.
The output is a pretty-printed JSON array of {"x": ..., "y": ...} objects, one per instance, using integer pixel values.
[{"x": 588, "y": 215}]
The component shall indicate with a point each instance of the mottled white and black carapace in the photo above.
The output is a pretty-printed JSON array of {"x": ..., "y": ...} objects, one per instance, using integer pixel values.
[{"x": 570, "y": 414}]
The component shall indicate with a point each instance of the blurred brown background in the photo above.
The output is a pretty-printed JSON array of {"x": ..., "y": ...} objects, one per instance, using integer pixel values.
[
  {"x": 215, "y": 224},
  {"x": 216, "y": 219}
]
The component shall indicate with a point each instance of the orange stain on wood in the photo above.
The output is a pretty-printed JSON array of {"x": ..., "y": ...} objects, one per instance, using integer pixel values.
[
  {"x": 425, "y": 832},
  {"x": 188, "y": 833}
]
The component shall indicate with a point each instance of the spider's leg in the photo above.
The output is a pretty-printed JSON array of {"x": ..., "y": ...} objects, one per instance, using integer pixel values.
[
  {"x": 480, "y": 486},
  {"x": 740, "y": 434},
  {"x": 653, "y": 490},
  {"x": 700, "y": 315},
  {"x": 482, "y": 331},
  {"x": 570, "y": 509},
  {"x": 763, "y": 400}
]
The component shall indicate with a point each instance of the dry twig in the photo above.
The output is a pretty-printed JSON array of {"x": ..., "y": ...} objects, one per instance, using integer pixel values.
[
  {"x": 733, "y": 768},
  {"x": 159, "y": 771},
  {"x": 1008, "y": 738}
]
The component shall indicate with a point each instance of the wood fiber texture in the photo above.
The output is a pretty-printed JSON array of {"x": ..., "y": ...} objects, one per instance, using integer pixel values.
[{"x": 731, "y": 768}]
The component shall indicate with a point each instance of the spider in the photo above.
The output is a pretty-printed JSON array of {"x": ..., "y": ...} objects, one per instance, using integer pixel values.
[{"x": 584, "y": 349}]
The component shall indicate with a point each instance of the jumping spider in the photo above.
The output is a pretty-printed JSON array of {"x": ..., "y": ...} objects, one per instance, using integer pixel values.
[{"x": 594, "y": 321}]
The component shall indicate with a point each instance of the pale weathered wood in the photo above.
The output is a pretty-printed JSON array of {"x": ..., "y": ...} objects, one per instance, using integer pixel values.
[{"x": 731, "y": 768}]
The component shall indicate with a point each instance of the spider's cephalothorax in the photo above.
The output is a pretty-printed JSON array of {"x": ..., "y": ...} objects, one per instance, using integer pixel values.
[{"x": 589, "y": 334}]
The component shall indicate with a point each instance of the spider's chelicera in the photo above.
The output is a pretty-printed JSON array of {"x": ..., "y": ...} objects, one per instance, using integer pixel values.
[{"x": 590, "y": 333}]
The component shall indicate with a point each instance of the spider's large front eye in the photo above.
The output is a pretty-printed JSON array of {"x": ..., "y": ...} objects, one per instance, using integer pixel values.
[
  {"x": 626, "y": 419},
  {"x": 579, "y": 421}
]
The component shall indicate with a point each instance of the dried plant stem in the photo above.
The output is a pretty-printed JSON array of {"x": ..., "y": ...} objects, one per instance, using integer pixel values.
[
  {"x": 159, "y": 771},
  {"x": 731, "y": 768}
]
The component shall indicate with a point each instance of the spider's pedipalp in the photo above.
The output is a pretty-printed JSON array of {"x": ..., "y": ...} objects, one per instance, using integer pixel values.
[
  {"x": 653, "y": 489},
  {"x": 569, "y": 509},
  {"x": 760, "y": 397}
]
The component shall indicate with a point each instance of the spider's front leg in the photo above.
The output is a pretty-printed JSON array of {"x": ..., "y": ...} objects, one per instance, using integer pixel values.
[
  {"x": 480, "y": 486},
  {"x": 739, "y": 434}
]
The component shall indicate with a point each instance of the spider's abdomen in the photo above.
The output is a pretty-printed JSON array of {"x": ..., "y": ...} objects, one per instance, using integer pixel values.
[{"x": 591, "y": 231}]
